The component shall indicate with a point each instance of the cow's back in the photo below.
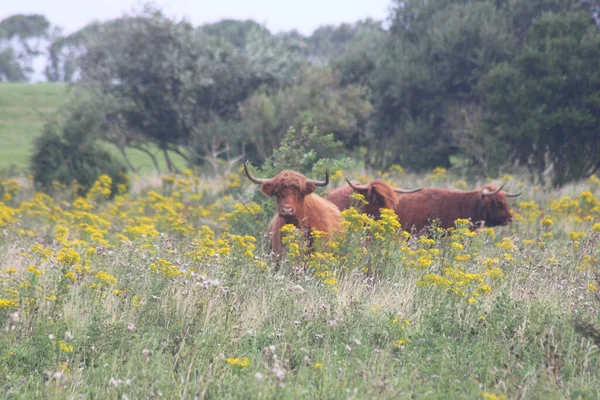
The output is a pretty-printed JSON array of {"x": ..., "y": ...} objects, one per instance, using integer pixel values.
[
  {"x": 340, "y": 197},
  {"x": 417, "y": 210}
]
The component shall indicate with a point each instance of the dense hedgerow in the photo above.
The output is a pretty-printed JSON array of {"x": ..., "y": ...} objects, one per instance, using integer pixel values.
[{"x": 171, "y": 293}]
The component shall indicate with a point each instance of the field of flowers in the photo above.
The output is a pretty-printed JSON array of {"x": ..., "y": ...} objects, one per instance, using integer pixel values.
[{"x": 168, "y": 291}]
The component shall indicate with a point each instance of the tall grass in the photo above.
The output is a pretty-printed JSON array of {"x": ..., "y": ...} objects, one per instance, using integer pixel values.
[{"x": 170, "y": 293}]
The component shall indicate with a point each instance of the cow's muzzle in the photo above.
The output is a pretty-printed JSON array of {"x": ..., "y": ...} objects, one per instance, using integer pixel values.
[{"x": 286, "y": 211}]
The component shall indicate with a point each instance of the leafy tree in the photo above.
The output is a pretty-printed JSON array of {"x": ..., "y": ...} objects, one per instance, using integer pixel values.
[
  {"x": 276, "y": 59},
  {"x": 64, "y": 51},
  {"x": 522, "y": 14},
  {"x": 10, "y": 68},
  {"x": 318, "y": 100},
  {"x": 358, "y": 61},
  {"x": 21, "y": 40},
  {"x": 435, "y": 55},
  {"x": 330, "y": 42},
  {"x": 175, "y": 83},
  {"x": 547, "y": 103},
  {"x": 151, "y": 58},
  {"x": 237, "y": 33}
]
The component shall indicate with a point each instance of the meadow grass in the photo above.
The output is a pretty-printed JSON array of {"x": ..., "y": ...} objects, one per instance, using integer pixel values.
[
  {"x": 25, "y": 108},
  {"x": 170, "y": 293},
  {"x": 23, "y": 112}
]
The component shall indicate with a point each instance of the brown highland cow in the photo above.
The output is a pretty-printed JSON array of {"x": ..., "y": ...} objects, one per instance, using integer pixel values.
[
  {"x": 378, "y": 194},
  {"x": 297, "y": 205},
  {"x": 487, "y": 207}
]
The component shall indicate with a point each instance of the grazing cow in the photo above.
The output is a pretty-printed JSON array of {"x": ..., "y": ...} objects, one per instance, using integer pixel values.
[
  {"x": 378, "y": 194},
  {"x": 297, "y": 205},
  {"x": 487, "y": 207}
]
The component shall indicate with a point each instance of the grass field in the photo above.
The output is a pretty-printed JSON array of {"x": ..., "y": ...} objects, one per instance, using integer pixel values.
[
  {"x": 23, "y": 111},
  {"x": 171, "y": 294},
  {"x": 24, "y": 108}
]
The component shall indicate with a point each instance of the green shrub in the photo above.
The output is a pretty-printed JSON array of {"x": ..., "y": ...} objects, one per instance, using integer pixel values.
[
  {"x": 308, "y": 152},
  {"x": 59, "y": 158}
]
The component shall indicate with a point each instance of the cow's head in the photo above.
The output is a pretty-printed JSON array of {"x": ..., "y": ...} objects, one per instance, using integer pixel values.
[
  {"x": 378, "y": 194},
  {"x": 289, "y": 188},
  {"x": 495, "y": 207}
]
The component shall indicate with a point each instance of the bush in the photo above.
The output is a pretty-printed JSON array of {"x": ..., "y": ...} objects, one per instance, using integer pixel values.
[
  {"x": 307, "y": 152},
  {"x": 58, "y": 158}
]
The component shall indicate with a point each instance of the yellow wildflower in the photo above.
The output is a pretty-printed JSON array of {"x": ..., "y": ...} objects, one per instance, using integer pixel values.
[
  {"x": 71, "y": 275},
  {"x": 547, "y": 222},
  {"x": 506, "y": 244},
  {"x": 65, "y": 347},
  {"x": 34, "y": 270},
  {"x": 106, "y": 278},
  {"x": 463, "y": 257},
  {"x": 68, "y": 256},
  {"x": 238, "y": 362},
  {"x": 5, "y": 303}
]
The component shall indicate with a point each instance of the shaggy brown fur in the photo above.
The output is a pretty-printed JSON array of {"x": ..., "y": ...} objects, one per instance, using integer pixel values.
[
  {"x": 298, "y": 205},
  {"x": 417, "y": 210},
  {"x": 379, "y": 194}
]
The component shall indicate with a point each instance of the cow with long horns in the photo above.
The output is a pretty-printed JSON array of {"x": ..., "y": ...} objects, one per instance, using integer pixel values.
[
  {"x": 487, "y": 207},
  {"x": 297, "y": 205},
  {"x": 378, "y": 194}
]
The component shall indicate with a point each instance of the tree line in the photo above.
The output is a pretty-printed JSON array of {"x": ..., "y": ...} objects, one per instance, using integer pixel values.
[{"x": 487, "y": 85}]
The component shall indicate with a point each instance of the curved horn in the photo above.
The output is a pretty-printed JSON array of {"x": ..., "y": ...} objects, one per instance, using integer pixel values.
[
  {"x": 320, "y": 183},
  {"x": 508, "y": 194},
  {"x": 253, "y": 179},
  {"x": 486, "y": 192},
  {"x": 407, "y": 191},
  {"x": 356, "y": 187}
]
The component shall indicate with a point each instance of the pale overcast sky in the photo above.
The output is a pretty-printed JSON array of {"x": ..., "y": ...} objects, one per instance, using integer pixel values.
[{"x": 277, "y": 15}]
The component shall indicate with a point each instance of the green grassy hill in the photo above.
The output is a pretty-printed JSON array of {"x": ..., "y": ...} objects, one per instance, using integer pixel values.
[{"x": 24, "y": 108}]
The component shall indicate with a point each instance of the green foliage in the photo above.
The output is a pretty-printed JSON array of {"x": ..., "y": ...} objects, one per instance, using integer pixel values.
[
  {"x": 329, "y": 42},
  {"x": 237, "y": 33},
  {"x": 546, "y": 103},
  {"x": 450, "y": 83},
  {"x": 10, "y": 69},
  {"x": 435, "y": 55},
  {"x": 24, "y": 27},
  {"x": 318, "y": 99},
  {"x": 68, "y": 152},
  {"x": 306, "y": 151},
  {"x": 20, "y": 37},
  {"x": 182, "y": 82}
]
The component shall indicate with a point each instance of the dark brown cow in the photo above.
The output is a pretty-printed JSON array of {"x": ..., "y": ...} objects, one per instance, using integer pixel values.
[
  {"x": 487, "y": 206},
  {"x": 297, "y": 205},
  {"x": 378, "y": 194}
]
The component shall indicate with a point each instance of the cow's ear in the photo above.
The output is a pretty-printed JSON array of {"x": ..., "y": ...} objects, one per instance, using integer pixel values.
[
  {"x": 268, "y": 189},
  {"x": 309, "y": 187}
]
